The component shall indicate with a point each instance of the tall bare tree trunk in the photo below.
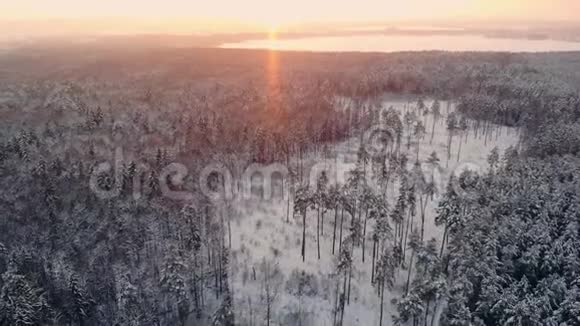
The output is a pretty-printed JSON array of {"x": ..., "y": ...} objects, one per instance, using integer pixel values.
[
  {"x": 342, "y": 300},
  {"x": 322, "y": 223},
  {"x": 337, "y": 294},
  {"x": 433, "y": 131},
  {"x": 443, "y": 242},
  {"x": 303, "y": 235},
  {"x": 409, "y": 273},
  {"x": 364, "y": 234},
  {"x": 434, "y": 313},
  {"x": 318, "y": 232},
  {"x": 406, "y": 235},
  {"x": 427, "y": 312},
  {"x": 373, "y": 261},
  {"x": 459, "y": 151},
  {"x": 288, "y": 207},
  {"x": 334, "y": 232},
  {"x": 350, "y": 274},
  {"x": 423, "y": 205},
  {"x": 382, "y": 300},
  {"x": 340, "y": 231}
]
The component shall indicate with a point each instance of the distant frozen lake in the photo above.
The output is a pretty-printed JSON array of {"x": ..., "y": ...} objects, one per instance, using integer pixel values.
[{"x": 398, "y": 43}]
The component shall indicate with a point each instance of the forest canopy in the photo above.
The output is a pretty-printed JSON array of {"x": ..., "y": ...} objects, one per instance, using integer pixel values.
[{"x": 510, "y": 250}]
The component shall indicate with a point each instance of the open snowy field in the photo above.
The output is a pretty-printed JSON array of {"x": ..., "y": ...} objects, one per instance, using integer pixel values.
[{"x": 263, "y": 239}]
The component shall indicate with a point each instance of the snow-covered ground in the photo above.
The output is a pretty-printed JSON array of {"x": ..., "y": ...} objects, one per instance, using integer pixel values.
[{"x": 260, "y": 232}]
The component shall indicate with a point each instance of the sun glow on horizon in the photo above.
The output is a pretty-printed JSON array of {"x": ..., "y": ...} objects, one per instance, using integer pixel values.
[
  {"x": 273, "y": 32},
  {"x": 181, "y": 16}
]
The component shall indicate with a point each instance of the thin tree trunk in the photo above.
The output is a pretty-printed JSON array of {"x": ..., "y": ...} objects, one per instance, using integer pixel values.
[
  {"x": 409, "y": 273},
  {"x": 195, "y": 288},
  {"x": 251, "y": 311},
  {"x": 340, "y": 231},
  {"x": 450, "y": 142},
  {"x": 406, "y": 235},
  {"x": 322, "y": 223},
  {"x": 215, "y": 264},
  {"x": 423, "y": 204},
  {"x": 364, "y": 234},
  {"x": 427, "y": 312},
  {"x": 373, "y": 261},
  {"x": 350, "y": 274},
  {"x": 382, "y": 300},
  {"x": 334, "y": 232},
  {"x": 342, "y": 300},
  {"x": 230, "y": 233},
  {"x": 303, "y": 235},
  {"x": 443, "y": 242},
  {"x": 288, "y": 207},
  {"x": 220, "y": 273},
  {"x": 434, "y": 312},
  {"x": 318, "y": 232},
  {"x": 418, "y": 148},
  {"x": 459, "y": 151},
  {"x": 335, "y": 310},
  {"x": 433, "y": 131},
  {"x": 486, "y": 132}
]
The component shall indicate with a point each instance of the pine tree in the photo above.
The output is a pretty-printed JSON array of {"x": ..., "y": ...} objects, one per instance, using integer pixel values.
[
  {"x": 436, "y": 112},
  {"x": 344, "y": 267},
  {"x": 451, "y": 129},
  {"x": 334, "y": 203},
  {"x": 174, "y": 285},
  {"x": 419, "y": 133},
  {"x": 302, "y": 202},
  {"x": 224, "y": 316},
  {"x": 447, "y": 211},
  {"x": 20, "y": 303},
  {"x": 410, "y": 120},
  {"x": 410, "y": 308},
  {"x": 384, "y": 276},
  {"x": 493, "y": 160},
  {"x": 423, "y": 191},
  {"x": 433, "y": 161},
  {"x": 80, "y": 305},
  {"x": 271, "y": 281},
  {"x": 320, "y": 200},
  {"x": 414, "y": 245}
]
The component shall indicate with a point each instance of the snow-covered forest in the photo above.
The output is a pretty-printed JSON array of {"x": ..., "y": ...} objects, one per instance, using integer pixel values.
[{"x": 244, "y": 187}]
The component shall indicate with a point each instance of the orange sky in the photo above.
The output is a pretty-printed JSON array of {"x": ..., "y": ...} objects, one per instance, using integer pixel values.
[{"x": 234, "y": 15}]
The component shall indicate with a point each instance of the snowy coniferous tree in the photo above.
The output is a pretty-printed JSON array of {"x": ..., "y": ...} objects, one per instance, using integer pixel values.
[
  {"x": 270, "y": 287},
  {"x": 423, "y": 192},
  {"x": 20, "y": 303},
  {"x": 384, "y": 276},
  {"x": 410, "y": 308},
  {"x": 436, "y": 112},
  {"x": 447, "y": 211},
  {"x": 334, "y": 203},
  {"x": 302, "y": 202},
  {"x": 320, "y": 201},
  {"x": 419, "y": 133},
  {"x": 410, "y": 121},
  {"x": 451, "y": 130}
]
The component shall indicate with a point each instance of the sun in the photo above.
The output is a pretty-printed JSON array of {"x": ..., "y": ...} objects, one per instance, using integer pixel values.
[{"x": 273, "y": 32}]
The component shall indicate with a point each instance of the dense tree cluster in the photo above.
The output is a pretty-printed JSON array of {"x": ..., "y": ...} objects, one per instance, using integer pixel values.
[{"x": 68, "y": 255}]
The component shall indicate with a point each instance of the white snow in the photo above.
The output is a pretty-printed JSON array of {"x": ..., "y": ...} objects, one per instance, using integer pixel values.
[{"x": 260, "y": 231}]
